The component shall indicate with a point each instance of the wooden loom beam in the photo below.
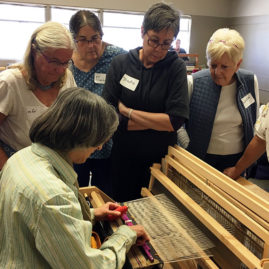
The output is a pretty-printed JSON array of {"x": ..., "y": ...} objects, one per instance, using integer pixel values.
[
  {"x": 238, "y": 192},
  {"x": 253, "y": 190},
  {"x": 230, "y": 241},
  {"x": 218, "y": 198}
]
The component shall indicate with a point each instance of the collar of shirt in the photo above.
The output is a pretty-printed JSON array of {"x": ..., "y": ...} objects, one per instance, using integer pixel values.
[{"x": 64, "y": 169}]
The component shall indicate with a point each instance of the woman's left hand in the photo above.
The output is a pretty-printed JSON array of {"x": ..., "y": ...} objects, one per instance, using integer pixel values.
[
  {"x": 102, "y": 212},
  {"x": 123, "y": 109}
]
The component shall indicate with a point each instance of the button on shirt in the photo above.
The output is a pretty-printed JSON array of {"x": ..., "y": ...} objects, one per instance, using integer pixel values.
[{"x": 41, "y": 220}]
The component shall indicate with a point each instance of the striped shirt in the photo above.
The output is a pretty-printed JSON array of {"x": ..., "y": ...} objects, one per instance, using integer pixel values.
[
  {"x": 262, "y": 126},
  {"x": 41, "y": 220}
]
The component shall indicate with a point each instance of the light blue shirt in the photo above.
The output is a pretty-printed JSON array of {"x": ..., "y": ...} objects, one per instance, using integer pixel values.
[{"x": 41, "y": 220}]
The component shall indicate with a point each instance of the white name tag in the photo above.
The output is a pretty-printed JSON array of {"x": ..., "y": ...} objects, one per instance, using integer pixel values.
[
  {"x": 248, "y": 100},
  {"x": 99, "y": 78},
  {"x": 33, "y": 112},
  {"x": 129, "y": 82}
]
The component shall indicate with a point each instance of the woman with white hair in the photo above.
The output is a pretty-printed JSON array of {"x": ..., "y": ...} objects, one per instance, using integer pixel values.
[
  {"x": 224, "y": 103},
  {"x": 28, "y": 89}
]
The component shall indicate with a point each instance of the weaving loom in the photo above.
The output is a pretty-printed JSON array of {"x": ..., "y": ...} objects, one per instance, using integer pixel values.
[{"x": 231, "y": 221}]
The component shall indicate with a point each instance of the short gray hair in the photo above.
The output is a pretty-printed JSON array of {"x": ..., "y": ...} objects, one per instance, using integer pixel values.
[
  {"x": 161, "y": 16},
  {"x": 83, "y": 18},
  {"x": 223, "y": 41},
  {"x": 48, "y": 35},
  {"x": 77, "y": 119}
]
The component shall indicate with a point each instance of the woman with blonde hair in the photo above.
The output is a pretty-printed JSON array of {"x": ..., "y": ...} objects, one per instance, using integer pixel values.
[
  {"x": 224, "y": 102},
  {"x": 28, "y": 89}
]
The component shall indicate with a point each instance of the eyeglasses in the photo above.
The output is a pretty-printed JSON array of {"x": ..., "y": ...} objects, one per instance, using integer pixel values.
[
  {"x": 154, "y": 43},
  {"x": 94, "y": 40},
  {"x": 54, "y": 63}
]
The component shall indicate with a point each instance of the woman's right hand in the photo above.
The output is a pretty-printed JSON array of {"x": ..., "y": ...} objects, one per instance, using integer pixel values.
[
  {"x": 3, "y": 155},
  {"x": 141, "y": 234},
  {"x": 3, "y": 158}
]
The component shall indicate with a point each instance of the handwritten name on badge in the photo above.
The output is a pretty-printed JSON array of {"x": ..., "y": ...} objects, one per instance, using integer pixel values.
[
  {"x": 129, "y": 82},
  {"x": 33, "y": 112},
  {"x": 99, "y": 78},
  {"x": 248, "y": 100}
]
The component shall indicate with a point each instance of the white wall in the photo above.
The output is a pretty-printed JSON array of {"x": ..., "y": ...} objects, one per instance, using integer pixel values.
[
  {"x": 251, "y": 19},
  {"x": 218, "y": 8},
  {"x": 240, "y": 8}
]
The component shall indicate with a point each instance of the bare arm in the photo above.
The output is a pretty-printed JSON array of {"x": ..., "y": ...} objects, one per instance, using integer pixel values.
[
  {"x": 3, "y": 156},
  {"x": 253, "y": 152},
  {"x": 141, "y": 120}
]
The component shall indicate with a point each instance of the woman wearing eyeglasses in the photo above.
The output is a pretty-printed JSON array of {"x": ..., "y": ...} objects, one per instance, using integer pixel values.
[
  {"x": 148, "y": 86},
  {"x": 28, "y": 89},
  {"x": 90, "y": 63}
]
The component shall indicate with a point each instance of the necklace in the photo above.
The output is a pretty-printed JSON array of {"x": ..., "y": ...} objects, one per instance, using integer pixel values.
[{"x": 45, "y": 88}]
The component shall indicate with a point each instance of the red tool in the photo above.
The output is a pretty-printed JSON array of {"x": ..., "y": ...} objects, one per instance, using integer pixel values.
[{"x": 123, "y": 209}]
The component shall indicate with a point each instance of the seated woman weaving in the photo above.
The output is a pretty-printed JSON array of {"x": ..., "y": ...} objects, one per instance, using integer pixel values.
[{"x": 46, "y": 221}]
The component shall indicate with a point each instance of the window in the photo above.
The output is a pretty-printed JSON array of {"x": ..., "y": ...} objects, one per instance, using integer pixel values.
[
  {"x": 184, "y": 33},
  {"x": 122, "y": 29},
  {"x": 63, "y": 15},
  {"x": 17, "y": 23}
]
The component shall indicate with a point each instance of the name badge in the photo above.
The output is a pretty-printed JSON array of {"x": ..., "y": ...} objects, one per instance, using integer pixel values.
[
  {"x": 129, "y": 82},
  {"x": 248, "y": 100},
  {"x": 99, "y": 78},
  {"x": 33, "y": 112}
]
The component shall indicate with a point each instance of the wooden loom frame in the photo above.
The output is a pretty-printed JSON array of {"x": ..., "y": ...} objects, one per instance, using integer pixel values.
[
  {"x": 231, "y": 195},
  {"x": 136, "y": 258}
]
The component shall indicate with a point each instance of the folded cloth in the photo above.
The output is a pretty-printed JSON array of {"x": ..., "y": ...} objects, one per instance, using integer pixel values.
[{"x": 183, "y": 137}]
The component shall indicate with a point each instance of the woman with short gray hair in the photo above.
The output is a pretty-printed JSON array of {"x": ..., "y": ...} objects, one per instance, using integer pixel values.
[
  {"x": 148, "y": 86},
  {"x": 28, "y": 89},
  {"x": 39, "y": 198},
  {"x": 161, "y": 16}
]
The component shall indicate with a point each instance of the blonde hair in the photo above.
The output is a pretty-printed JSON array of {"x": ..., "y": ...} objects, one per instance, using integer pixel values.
[
  {"x": 49, "y": 35},
  {"x": 223, "y": 41}
]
